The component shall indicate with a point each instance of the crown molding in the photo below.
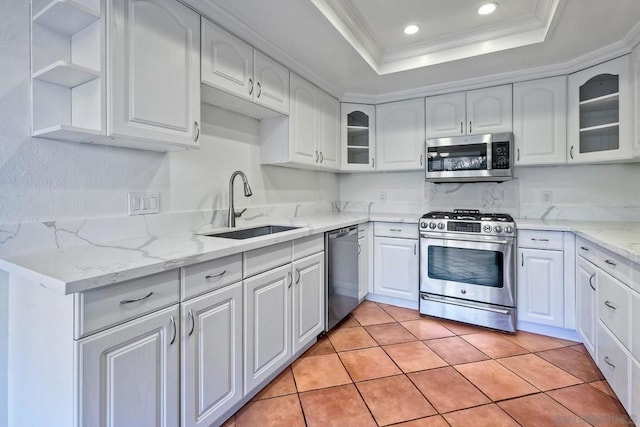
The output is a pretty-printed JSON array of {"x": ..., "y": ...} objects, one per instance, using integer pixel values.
[
  {"x": 229, "y": 22},
  {"x": 522, "y": 31}
]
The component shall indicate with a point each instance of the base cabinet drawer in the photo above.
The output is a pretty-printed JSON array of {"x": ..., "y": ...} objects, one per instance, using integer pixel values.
[
  {"x": 586, "y": 249},
  {"x": 541, "y": 239},
  {"x": 393, "y": 229},
  {"x": 614, "y": 306},
  {"x": 613, "y": 361},
  {"x": 208, "y": 276}
]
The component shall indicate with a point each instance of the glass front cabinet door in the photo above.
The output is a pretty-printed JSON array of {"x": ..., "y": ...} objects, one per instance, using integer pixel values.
[
  {"x": 599, "y": 122},
  {"x": 358, "y": 137}
]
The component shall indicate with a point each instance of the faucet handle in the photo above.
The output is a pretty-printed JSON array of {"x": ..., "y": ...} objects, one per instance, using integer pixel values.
[{"x": 239, "y": 214}]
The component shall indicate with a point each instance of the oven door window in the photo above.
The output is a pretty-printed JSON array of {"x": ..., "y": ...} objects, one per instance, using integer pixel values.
[
  {"x": 457, "y": 158},
  {"x": 473, "y": 266}
]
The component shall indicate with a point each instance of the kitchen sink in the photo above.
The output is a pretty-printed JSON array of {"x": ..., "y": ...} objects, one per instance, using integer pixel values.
[{"x": 248, "y": 233}]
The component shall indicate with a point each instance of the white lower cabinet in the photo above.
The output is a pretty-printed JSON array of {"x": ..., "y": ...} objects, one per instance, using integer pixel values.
[
  {"x": 308, "y": 300},
  {"x": 586, "y": 307},
  {"x": 396, "y": 267},
  {"x": 211, "y": 367},
  {"x": 634, "y": 398},
  {"x": 267, "y": 324},
  {"x": 540, "y": 286},
  {"x": 364, "y": 260},
  {"x": 613, "y": 361},
  {"x": 129, "y": 374}
]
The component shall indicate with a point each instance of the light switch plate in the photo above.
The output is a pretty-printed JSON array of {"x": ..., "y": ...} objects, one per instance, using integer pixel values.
[{"x": 143, "y": 203}]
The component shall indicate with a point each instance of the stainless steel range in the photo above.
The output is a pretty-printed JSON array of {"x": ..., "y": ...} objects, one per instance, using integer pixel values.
[{"x": 467, "y": 268}]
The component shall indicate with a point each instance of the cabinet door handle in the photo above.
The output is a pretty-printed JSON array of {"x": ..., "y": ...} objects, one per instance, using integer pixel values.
[
  {"x": 539, "y": 240},
  {"x": 321, "y": 157},
  {"x": 522, "y": 259},
  {"x": 584, "y": 249},
  {"x": 213, "y": 276},
  {"x": 196, "y": 131},
  {"x": 290, "y": 279},
  {"x": 250, "y": 86},
  {"x": 470, "y": 128},
  {"x": 317, "y": 156},
  {"x": 518, "y": 151},
  {"x": 591, "y": 281},
  {"x": 359, "y": 249},
  {"x": 298, "y": 276},
  {"x": 175, "y": 331},
  {"x": 611, "y": 306},
  {"x": 129, "y": 301},
  {"x": 259, "y": 89},
  {"x": 373, "y": 162},
  {"x": 606, "y": 359},
  {"x": 420, "y": 159},
  {"x": 193, "y": 322},
  {"x": 571, "y": 152},
  {"x": 610, "y": 262},
  {"x": 415, "y": 249},
  {"x": 461, "y": 128}
]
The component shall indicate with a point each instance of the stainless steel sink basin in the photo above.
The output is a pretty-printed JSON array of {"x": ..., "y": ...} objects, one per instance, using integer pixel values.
[{"x": 248, "y": 233}]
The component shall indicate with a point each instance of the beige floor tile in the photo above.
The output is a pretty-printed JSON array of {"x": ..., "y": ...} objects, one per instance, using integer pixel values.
[
  {"x": 414, "y": 356},
  {"x": 390, "y": 333},
  {"x": 539, "y": 410},
  {"x": 591, "y": 405},
  {"x": 336, "y": 407},
  {"x": 322, "y": 371},
  {"x": 368, "y": 363},
  {"x": 576, "y": 363},
  {"x": 351, "y": 339},
  {"x": 282, "y": 385},
  {"x": 276, "y": 412},
  {"x": 494, "y": 344},
  {"x": 495, "y": 380},
  {"x": 480, "y": 416},
  {"x": 455, "y": 350},
  {"x": 542, "y": 374},
  {"x": 426, "y": 329}
]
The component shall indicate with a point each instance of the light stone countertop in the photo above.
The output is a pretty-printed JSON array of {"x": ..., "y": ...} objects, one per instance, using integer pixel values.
[
  {"x": 84, "y": 267},
  {"x": 622, "y": 238}
]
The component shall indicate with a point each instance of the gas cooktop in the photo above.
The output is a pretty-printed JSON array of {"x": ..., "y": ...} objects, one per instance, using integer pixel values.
[
  {"x": 469, "y": 215},
  {"x": 467, "y": 221}
]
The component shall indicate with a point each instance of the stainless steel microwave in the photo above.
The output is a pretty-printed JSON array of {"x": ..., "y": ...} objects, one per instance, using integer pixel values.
[{"x": 472, "y": 158}]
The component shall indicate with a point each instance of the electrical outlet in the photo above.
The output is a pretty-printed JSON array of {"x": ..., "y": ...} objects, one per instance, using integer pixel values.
[
  {"x": 383, "y": 196},
  {"x": 143, "y": 203},
  {"x": 546, "y": 197}
]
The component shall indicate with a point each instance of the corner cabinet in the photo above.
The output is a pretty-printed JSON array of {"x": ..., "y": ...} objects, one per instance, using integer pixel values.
[
  {"x": 101, "y": 75},
  {"x": 540, "y": 121},
  {"x": 473, "y": 112},
  {"x": 600, "y": 118},
  {"x": 309, "y": 137},
  {"x": 400, "y": 135},
  {"x": 358, "y": 127},
  {"x": 586, "y": 303}
]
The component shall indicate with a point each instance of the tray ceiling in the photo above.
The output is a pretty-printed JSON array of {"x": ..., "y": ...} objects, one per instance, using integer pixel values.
[{"x": 449, "y": 30}]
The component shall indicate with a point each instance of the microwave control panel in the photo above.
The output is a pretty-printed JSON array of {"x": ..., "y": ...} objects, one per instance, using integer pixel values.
[{"x": 500, "y": 154}]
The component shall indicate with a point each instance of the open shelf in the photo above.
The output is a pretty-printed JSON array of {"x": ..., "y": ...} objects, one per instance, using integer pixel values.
[
  {"x": 606, "y": 102},
  {"x": 66, "y": 74},
  {"x": 358, "y": 127},
  {"x": 65, "y": 16},
  {"x": 358, "y": 147},
  {"x": 69, "y": 133}
]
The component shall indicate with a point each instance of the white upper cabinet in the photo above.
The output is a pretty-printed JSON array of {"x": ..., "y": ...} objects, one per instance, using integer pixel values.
[
  {"x": 473, "y": 112},
  {"x": 600, "y": 119},
  {"x": 233, "y": 66},
  {"x": 328, "y": 130},
  {"x": 154, "y": 81},
  {"x": 309, "y": 137},
  {"x": 400, "y": 135},
  {"x": 489, "y": 110},
  {"x": 358, "y": 127},
  {"x": 540, "y": 121},
  {"x": 446, "y": 115}
]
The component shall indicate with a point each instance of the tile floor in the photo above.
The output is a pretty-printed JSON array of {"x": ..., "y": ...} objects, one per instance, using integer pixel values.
[{"x": 387, "y": 365}]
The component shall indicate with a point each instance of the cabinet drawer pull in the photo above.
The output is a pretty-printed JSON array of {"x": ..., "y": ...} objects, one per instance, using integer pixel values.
[
  {"x": 610, "y": 262},
  {"x": 540, "y": 240},
  {"x": 591, "y": 281},
  {"x": 213, "y": 276},
  {"x": 193, "y": 322},
  {"x": 606, "y": 359},
  {"x": 298, "y": 276},
  {"x": 259, "y": 89},
  {"x": 129, "y": 301},
  {"x": 397, "y": 230},
  {"x": 175, "y": 331},
  {"x": 611, "y": 306},
  {"x": 250, "y": 86},
  {"x": 584, "y": 249},
  {"x": 290, "y": 279}
]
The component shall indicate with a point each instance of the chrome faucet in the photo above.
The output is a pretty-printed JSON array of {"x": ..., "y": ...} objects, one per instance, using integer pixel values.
[{"x": 247, "y": 192}]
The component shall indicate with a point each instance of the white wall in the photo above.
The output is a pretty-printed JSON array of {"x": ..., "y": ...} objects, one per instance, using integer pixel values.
[{"x": 46, "y": 180}]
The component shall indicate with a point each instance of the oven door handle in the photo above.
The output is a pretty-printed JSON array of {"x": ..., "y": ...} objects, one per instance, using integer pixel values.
[
  {"x": 499, "y": 242},
  {"x": 461, "y": 304}
]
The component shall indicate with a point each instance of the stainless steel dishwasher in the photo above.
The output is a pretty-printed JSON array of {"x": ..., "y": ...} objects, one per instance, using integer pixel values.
[{"x": 342, "y": 274}]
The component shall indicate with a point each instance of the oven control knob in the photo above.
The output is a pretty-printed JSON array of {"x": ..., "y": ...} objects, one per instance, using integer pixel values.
[
  {"x": 487, "y": 228},
  {"x": 423, "y": 225},
  {"x": 497, "y": 229},
  {"x": 508, "y": 229},
  {"x": 432, "y": 225},
  {"x": 441, "y": 226}
]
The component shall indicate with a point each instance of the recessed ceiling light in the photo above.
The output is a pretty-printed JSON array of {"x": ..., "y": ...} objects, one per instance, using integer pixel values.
[
  {"x": 487, "y": 8},
  {"x": 411, "y": 29}
]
